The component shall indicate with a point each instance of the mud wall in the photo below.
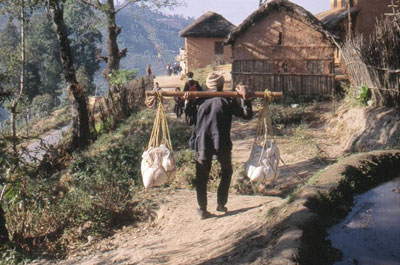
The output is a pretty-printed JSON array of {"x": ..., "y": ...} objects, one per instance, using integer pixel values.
[
  {"x": 201, "y": 52},
  {"x": 283, "y": 53},
  {"x": 370, "y": 11},
  {"x": 282, "y": 38}
]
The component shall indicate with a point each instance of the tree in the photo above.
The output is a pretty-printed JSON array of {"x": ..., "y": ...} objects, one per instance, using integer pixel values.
[
  {"x": 43, "y": 67},
  {"x": 80, "y": 119},
  {"x": 17, "y": 9},
  {"x": 3, "y": 229},
  {"x": 110, "y": 10},
  {"x": 85, "y": 36}
]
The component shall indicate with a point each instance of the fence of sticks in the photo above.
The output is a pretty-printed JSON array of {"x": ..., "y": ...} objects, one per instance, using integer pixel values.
[
  {"x": 375, "y": 62},
  {"x": 118, "y": 103}
]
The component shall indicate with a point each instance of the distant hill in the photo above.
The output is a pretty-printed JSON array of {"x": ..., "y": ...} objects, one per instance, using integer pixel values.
[
  {"x": 151, "y": 38},
  {"x": 3, "y": 114}
]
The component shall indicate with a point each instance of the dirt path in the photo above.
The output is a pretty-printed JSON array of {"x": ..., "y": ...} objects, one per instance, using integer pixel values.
[
  {"x": 38, "y": 149},
  {"x": 177, "y": 236},
  {"x": 250, "y": 231}
]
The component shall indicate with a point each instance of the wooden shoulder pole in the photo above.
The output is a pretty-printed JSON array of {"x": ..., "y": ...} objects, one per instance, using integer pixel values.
[{"x": 210, "y": 94}]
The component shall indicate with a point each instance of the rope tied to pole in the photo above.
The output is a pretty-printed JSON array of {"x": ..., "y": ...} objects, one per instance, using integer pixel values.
[
  {"x": 160, "y": 133},
  {"x": 268, "y": 96},
  {"x": 152, "y": 99}
]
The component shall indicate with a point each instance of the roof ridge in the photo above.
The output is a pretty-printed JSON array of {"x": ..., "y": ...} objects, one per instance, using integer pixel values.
[{"x": 210, "y": 24}]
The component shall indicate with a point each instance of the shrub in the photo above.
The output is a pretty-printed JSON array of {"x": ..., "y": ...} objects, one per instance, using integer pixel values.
[{"x": 43, "y": 104}]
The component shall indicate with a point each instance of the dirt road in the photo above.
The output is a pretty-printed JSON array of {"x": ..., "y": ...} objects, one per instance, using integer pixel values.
[
  {"x": 36, "y": 150},
  {"x": 177, "y": 236},
  {"x": 251, "y": 232}
]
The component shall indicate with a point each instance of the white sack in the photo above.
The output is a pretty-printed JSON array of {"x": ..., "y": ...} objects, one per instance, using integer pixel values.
[
  {"x": 158, "y": 166},
  {"x": 262, "y": 165}
]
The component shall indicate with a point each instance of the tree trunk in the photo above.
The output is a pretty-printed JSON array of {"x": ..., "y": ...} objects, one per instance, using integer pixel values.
[
  {"x": 114, "y": 55},
  {"x": 14, "y": 130},
  {"x": 3, "y": 229},
  {"x": 15, "y": 102},
  {"x": 26, "y": 117},
  {"x": 80, "y": 119}
]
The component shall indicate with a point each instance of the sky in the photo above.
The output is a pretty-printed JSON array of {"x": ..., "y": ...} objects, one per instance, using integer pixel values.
[{"x": 237, "y": 10}]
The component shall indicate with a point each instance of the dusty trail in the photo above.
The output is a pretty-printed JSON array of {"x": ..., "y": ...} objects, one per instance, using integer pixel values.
[{"x": 177, "y": 236}]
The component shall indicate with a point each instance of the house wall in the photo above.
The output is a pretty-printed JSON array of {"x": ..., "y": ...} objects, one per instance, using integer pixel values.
[
  {"x": 370, "y": 10},
  {"x": 304, "y": 58},
  {"x": 200, "y": 53}
]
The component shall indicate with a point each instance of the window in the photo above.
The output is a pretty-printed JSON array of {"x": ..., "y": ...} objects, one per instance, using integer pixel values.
[
  {"x": 285, "y": 68},
  {"x": 331, "y": 68},
  {"x": 280, "y": 38},
  {"x": 219, "y": 47},
  {"x": 351, "y": 3},
  {"x": 335, "y": 3},
  {"x": 343, "y": 3}
]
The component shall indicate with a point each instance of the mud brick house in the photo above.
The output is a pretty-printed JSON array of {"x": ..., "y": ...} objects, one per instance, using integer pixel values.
[
  {"x": 364, "y": 14},
  {"x": 283, "y": 47},
  {"x": 204, "y": 41}
]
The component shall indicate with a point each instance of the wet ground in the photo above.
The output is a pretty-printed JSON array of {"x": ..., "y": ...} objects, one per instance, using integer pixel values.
[{"x": 370, "y": 234}]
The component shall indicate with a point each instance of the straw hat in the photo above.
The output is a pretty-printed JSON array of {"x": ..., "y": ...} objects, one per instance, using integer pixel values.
[{"x": 214, "y": 80}]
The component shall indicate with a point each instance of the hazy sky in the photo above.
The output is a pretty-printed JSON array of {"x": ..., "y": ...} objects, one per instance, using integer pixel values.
[{"x": 237, "y": 10}]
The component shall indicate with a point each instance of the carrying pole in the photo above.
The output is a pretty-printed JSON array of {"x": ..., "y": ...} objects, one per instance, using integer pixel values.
[{"x": 211, "y": 94}]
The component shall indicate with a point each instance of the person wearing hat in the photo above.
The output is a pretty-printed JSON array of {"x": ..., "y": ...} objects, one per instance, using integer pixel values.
[{"x": 212, "y": 138}]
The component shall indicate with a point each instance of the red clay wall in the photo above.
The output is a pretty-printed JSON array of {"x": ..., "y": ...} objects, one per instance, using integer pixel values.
[
  {"x": 300, "y": 43},
  {"x": 200, "y": 52},
  {"x": 370, "y": 10}
]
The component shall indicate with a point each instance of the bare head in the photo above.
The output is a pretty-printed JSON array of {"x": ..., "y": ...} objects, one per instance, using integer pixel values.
[
  {"x": 190, "y": 74},
  {"x": 157, "y": 85}
]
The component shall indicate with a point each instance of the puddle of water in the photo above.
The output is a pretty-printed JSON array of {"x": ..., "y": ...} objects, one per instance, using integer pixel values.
[{"x": 370, "y": 234}]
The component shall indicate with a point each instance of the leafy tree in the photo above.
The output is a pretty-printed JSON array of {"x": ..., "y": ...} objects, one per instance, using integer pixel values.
[
  {"x": 9, "y": 61},
  {"x": 43, "y": 69},
  {"x": 84, "y": 33},
  {"x": 80, "y": 119},
  {"x": 3, "y": 163},
  {"x": 110, "y": 10}
]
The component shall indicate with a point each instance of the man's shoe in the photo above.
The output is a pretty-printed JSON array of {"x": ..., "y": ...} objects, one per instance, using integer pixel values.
[
  {"x": 222, "y": 208},
  {"x": 204, "y": 214}
]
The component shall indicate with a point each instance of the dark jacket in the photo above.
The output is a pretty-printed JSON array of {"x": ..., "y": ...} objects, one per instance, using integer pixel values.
[
  {"x": 214, "y": 120},
  {"x": 191, "y": 83}
]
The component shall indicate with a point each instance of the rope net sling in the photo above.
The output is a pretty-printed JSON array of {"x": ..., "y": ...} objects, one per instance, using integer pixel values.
[
  {"x": 264, "y": 152},
  {"x": 158, "y": 161}
]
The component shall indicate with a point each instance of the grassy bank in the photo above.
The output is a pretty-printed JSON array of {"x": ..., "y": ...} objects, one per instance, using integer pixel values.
[{"x": 99, "y": 190}]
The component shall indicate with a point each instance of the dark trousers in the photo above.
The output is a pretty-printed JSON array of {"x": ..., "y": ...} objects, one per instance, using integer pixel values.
[{"x": 203, "y": 167}]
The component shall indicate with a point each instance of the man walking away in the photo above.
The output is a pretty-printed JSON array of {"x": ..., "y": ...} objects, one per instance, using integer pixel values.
[
  {"x": 190, "y": 106},
  {"x": 212, "y": 139},
  {"x": 191, "y": 84}
]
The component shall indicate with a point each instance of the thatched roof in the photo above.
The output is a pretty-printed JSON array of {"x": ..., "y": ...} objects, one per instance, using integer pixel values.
[
  {"x": 211, "y": 25},
  {"x": 332, "y": 19},
  {"x": 276, "y": 6}
]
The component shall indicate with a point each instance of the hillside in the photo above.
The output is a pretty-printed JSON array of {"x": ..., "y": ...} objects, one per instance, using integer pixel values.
[{"x": 146, "y": 33}]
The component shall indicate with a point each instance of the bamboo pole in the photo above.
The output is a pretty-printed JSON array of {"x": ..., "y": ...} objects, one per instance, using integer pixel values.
[{"x": 208, "y": 94}]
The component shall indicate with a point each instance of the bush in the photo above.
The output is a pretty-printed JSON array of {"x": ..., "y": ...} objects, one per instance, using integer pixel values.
[{"x": 43, "y": 104}]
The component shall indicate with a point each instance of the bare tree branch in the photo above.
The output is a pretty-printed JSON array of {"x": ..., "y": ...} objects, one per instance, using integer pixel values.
[
  {"x": 125, "y": 5},
  {"x": 88, "y": 2}
]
